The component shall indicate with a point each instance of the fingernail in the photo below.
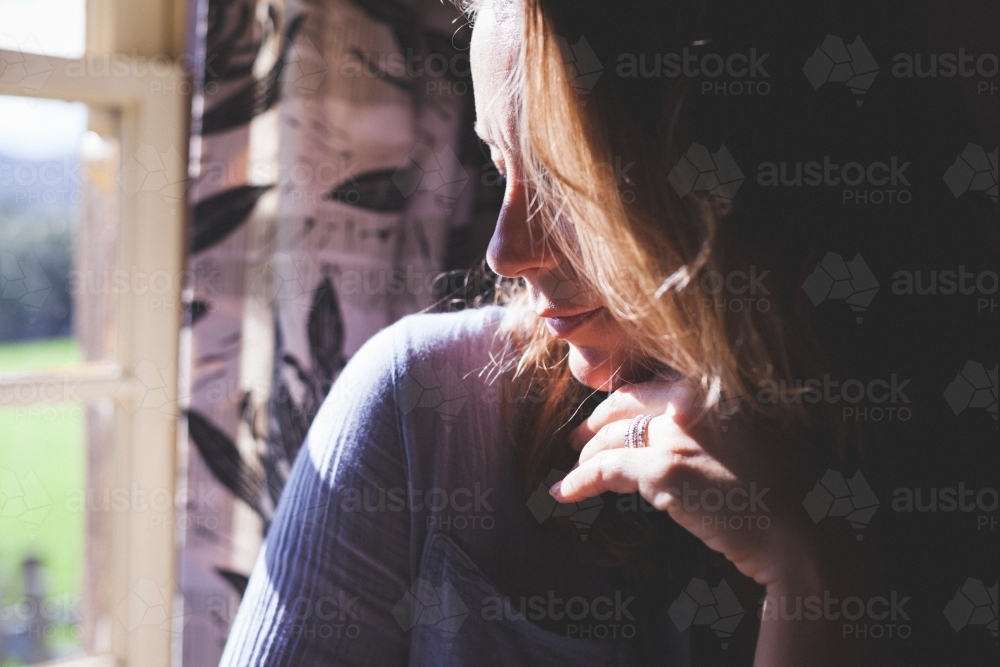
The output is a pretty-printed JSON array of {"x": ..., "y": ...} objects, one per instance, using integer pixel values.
[{"x": 556, "y": 490}]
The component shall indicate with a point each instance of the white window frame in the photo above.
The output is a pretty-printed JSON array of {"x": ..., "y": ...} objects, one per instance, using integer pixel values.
[{"x": 151, "y": 236}]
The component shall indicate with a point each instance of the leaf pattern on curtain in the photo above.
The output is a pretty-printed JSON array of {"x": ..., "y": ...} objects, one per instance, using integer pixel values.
[
  {"x": 232, "y": 53},
  {"x": 326, "y": 337},
  {"x": 256, "y": 96},
  {"x": 317, "y": 168},
  {"x": 217, "y": 217},
  {"x": 225, "y": 461},
  {"x": 373, "y": 190}
]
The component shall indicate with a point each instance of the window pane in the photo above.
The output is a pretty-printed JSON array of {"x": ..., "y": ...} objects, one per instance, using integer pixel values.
[
  {"x": 58, "y": 232},
  {"x": 51, "y": 27},
  {"x": 48, "y": 574}
]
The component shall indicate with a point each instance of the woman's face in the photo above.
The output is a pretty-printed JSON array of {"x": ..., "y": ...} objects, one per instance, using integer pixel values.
[{"x": 601, "y": 355}]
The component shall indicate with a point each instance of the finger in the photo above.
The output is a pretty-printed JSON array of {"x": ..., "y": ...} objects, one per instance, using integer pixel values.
[
  {"x": 627, "y": 402},
  {"x": 610, "y": 436},
  {"x": 662, "y": 432},
  {"x": 617, "y": 470}
]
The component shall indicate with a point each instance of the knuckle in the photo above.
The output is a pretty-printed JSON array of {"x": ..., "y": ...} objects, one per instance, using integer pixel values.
[
  {"x": 685, "y": 449},
  {"x": 608, "y": 467},
  {"x": 664, "y": 502},
  {"x": 626, "y": 392},
  {"x": 630, "y": 396},
  {"x": 671, "y": 467},
  {"x": 616, "y": 405},
  {"x": 604, "y": 435}
]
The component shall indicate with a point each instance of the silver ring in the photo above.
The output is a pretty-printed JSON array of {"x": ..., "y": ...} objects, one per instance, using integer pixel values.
[{"x": 635, "y": 434}]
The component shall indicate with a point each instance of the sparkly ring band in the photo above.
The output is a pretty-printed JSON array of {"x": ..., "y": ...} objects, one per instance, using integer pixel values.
[{"x": 635, "y": 435}]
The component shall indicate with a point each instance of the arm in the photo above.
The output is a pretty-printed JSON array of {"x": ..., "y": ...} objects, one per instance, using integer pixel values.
[
  {"x": 817, "y": 574},
  {"x": 325, "y": 584}
]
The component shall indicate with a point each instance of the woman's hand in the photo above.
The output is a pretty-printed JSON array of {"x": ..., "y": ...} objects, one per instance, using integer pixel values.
[
  {"x": 739, "y": 490},
  {"x": 728, "y": 488}
]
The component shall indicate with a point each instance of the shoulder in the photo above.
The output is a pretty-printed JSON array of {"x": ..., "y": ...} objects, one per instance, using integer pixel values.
[
  {"x": 418, "y": 358},
  {"x": 463, "y": 337},
  {"x": 457, "y": 334}
]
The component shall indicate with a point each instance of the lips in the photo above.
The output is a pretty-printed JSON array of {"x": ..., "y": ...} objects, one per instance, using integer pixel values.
[{"x": 564, "y": 326}]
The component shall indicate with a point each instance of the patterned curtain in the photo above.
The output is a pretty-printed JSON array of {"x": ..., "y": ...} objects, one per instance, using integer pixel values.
[{"x": 334, "y": 176}]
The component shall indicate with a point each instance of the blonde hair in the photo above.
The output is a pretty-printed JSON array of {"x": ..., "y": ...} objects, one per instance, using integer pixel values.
[{"x": 639, "y": 245}]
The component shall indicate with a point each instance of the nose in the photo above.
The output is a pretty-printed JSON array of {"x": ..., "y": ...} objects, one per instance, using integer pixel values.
[{"x": 518, "y": 247}]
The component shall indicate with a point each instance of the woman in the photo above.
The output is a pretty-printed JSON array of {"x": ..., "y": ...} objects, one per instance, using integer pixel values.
[{"x": 430, "y": 519}]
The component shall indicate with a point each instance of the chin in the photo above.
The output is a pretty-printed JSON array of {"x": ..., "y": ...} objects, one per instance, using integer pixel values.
[
  {"x": 593, "y": 368},
  {"x": 607, "y": 370}
]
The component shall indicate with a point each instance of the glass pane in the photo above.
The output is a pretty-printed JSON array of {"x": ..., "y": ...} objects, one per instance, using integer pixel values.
[
  {"x": 58, "y": 232},
  {"x": 48, "y": 572},
  {"x": 50, "y": 27}
]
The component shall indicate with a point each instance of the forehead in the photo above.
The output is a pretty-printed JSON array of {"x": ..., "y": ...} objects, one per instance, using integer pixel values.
[
  {"x": 492, "y": 54},
  {"x": 497, "y": 18}
]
